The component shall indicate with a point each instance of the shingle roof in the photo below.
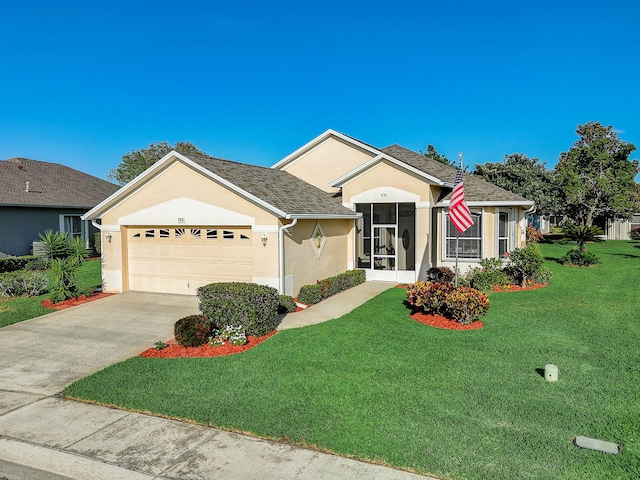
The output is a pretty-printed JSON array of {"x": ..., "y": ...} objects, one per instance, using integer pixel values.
[
  {"x": 50, "y": 185},
  {"x": 475, "y": 189},
  {"x": 275, "y": 187}
]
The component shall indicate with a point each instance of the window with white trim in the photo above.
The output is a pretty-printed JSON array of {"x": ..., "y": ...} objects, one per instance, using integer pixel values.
[
  {"x": 469, "y": 243},
  {"x": 503, "y": 233}
]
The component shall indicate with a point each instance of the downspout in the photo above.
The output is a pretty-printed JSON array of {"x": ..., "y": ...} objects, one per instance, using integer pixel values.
[{"x": 281, "y": 271}]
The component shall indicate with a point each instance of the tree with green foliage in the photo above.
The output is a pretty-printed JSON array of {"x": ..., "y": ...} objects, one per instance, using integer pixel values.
[
  {"x": 137, "y": 161},
  {"x": 438, "y": 157},
  {"x": 524, "y": 176},
  {"x": 596, "y": 178}
]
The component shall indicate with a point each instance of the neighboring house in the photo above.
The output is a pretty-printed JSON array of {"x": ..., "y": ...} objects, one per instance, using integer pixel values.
[
  {"x": 620, "y": 229},
  {"x": 37, "y": 196},
  {"x": 332, "y": 205}
]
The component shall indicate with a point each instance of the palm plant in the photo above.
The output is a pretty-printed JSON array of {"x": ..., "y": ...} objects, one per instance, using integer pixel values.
[
  {"x": 582, "y": 234},
  {"x": 55, "y": 244}
]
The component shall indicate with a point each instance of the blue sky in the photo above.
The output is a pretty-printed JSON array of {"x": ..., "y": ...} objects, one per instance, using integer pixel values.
[{"x": 82, "y": 83}]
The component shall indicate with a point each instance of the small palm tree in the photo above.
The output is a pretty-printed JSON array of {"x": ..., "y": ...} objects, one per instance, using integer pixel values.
[{"x": 582, "y": 234}]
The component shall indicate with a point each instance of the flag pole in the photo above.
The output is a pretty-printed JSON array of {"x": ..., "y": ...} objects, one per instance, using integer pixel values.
[
  {"x": 459, "y": 213},
  {"x": 455, "y": 283}
]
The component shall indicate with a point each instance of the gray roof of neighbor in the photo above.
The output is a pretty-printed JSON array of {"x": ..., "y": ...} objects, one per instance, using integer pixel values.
[
  {"x": 50, "y": 185},
  {"x": 475, "y": 188},
  {"x": 275, "y": 187}
]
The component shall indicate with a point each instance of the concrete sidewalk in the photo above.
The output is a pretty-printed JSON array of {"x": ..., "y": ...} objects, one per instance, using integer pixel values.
[
  {"x": 335, "y": 306},
  {"x": 43, "y": 436}
]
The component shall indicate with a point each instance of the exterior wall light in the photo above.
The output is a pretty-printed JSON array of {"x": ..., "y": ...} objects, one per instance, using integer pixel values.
[
  {"x": 108, "y": 236},
  {"x": 264, "y": 239}
]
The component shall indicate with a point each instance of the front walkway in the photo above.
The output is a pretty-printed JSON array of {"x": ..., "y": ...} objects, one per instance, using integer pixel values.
[{"x": 335, "y": 306}]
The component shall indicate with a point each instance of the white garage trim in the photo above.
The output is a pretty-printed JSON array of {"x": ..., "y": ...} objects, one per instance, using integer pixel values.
[{"x": 185, "y": 211}]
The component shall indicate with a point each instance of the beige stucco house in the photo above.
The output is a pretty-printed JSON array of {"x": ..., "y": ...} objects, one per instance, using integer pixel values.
[{"x": 334, "y": 204}]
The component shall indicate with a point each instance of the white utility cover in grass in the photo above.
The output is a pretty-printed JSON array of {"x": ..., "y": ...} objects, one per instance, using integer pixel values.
[{"x": 599, "y": 445}]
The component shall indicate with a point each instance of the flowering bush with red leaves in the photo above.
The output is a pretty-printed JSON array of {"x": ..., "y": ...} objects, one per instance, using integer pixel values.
[
  {"x": 533, "y": 234},
  {"x": 428, "y": 296},
  {"x": 466, "y": 304},
  {"x": 192, "y": 331},
  {"x": 462, "y": 304}
]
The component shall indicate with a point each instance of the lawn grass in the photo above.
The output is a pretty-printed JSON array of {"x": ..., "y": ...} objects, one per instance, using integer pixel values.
[
  {"x": 24, "y": 308},
  {"x": 465, "y": 405}
]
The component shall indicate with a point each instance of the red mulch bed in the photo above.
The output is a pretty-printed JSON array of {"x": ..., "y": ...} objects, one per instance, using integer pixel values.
[
  {"x": 439, "y": 321},
  {"x": 72, "y": 302},
  {"x": 518, "y": 288},
  {"x": 173, "y": 350}
]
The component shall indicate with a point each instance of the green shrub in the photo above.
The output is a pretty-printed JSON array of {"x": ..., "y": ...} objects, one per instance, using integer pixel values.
[
  {"x": 11, "y": 264},
  {"x": 37, "y": 263},
  {"x": 250, "y": 305},
  {"x": 429, "y": 297},
  {"x": 485, "y": 280},
  {"x": 21, "y": 282},
  {"x": 77, "y": 250},
  {"x": 465, "y": 304},
  {"x": 634, "y": 234},
  {"x": 580, "y": 258},
  {"x": 330, "y": 286},
  {"x": 524, "y": 264},
  {"x": 440, "y": 274},
  {"x": 64, "y": 279},
  {"x": 543, "y": 275},
  {"x": 286, "y": 304},
  {"x": 55, "y": 244},
  {"x": 310, "y": 294},
  {"x": 490, "y": 273},
  {"x": 192, "y": 331}
]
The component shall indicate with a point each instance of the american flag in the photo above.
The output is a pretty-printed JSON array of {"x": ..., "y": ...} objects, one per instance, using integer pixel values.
[{"x": 459, "y": 213}]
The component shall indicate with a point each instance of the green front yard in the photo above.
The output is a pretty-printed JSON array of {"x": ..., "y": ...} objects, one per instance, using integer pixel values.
[
  {"x": 19, "y": 309},
  {"x": 376, "y": 385}
]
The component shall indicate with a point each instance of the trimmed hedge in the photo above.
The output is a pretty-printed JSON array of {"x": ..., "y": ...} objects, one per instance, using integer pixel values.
[
  {"x": 11, "y": 264},
  {"x": 250, "y": 305},
  {"x": 311, "y": 294},
  {"x": 286, "y": 304},
  {"x": 192, "y": 331}
]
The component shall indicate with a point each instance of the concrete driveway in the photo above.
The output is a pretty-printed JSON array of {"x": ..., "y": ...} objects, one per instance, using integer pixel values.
[
  {"x": 45, "y": 354},
  {"x": 44, "y": 437}
]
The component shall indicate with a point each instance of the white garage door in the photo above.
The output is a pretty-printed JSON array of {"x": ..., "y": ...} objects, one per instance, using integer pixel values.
[{"x": 179, "y": 260}]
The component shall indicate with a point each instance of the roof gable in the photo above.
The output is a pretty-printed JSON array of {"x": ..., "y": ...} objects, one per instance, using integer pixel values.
[
  {"x": 476, "y": 190},
  {"x": 276, "y": 191},
  {"x": 292, "y": 157},
  {"x": 32, "y": 183},
  {"x": 384, "y": 158}
]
